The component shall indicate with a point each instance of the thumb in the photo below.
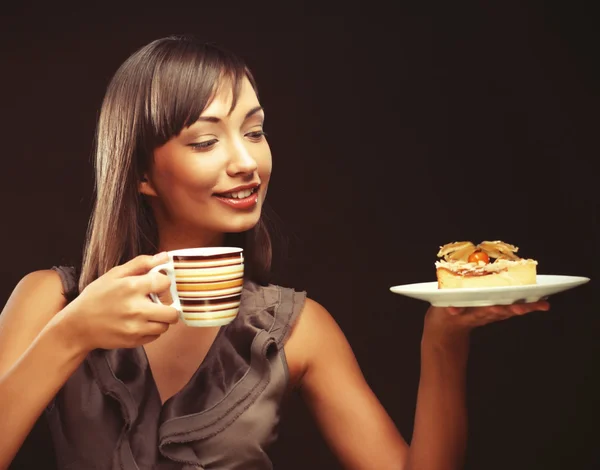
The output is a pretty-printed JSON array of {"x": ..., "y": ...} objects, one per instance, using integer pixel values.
[
  {"x": 455, "y": 310},
  {"x": 140, "y": 265}
]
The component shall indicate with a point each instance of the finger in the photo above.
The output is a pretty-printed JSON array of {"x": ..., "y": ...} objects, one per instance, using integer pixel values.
[
  {"x": 543, "y": 305},
  {"x": 155, "y": 328},
  {"x": 486, "y": 312},
  {"x": 161, "y": 313},
  {"x": 139, "y": 265},
  {"x": 455, "y": 310},
  {"x": 504, "y": 313},
  {"x": 497, "y": 309},
  {"x": 491, "y": 313},
  {"x": 521, "y": 309},
  {"x": 148, "y": 339},
  {"x": 148, "y": 332},
  {"x": 154, "y": 283}
]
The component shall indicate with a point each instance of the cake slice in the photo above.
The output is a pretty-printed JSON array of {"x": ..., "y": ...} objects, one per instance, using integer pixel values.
[{"x": 488, "y": 264}]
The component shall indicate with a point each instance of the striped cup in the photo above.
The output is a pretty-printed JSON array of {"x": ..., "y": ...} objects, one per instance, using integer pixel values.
[{"x": 206, "y": 284}]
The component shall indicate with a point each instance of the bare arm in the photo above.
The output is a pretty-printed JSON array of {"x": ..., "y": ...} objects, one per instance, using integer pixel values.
[
  {"x": 353, "y": 421},
  {"x": 43, "y": 340},
  {"x": 351, "y": 418},
  {"x": 440, "y": 430},
  {"x": 36, "y": 357}
]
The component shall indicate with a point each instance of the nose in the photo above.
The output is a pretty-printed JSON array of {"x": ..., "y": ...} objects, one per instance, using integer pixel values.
[{"x": 241, "y": 161}]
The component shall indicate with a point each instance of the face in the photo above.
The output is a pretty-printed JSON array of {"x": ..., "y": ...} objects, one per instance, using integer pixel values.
[{"x": 212, "y": 178}]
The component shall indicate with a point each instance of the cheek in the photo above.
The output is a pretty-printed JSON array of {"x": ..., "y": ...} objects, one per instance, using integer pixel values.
[
  {"x": 265, "y": 173},
  {"x": 265, "y": 166},
  {"x": 191, "y": 179}
]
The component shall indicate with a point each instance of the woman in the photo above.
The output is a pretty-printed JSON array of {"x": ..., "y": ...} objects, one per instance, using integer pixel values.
[{"x": 182, "y": 161}]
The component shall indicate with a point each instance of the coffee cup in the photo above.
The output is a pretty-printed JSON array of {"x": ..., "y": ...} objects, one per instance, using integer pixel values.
[{"x": 206, "y": 284}]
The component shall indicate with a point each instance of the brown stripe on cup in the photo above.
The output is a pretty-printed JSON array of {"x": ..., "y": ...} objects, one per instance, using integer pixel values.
[
  {"x": 220, "y": 301},
  {"x": 215, "y": 317},
  {"x": 237, "y": 257},
  {"x": 201, "y": 286},
  {"x": 210, "y": 294},
  {"x": 206, "y": 311},
  {"x": 208, "y": 271},
  {"x": 229, "y": 309}
]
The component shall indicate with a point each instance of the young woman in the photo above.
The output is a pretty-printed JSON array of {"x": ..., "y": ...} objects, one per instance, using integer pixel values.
[{"x": 182, "y": 161}]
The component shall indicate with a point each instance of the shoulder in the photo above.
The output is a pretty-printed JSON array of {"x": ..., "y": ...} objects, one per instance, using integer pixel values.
[
  {"x": 314, "y": 337},
  {"x": 35, "y": 300},
  {"x": 46, "y": 279},
  {"x": 43, "y": 285},
  {"x": 314, "y": 324}
]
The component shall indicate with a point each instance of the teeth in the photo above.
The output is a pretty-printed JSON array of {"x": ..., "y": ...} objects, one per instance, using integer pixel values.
[{"x": 239, "y": 194}]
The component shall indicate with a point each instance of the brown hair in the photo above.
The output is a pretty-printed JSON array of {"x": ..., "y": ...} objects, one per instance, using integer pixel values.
[{"x": 157, "y": 92}]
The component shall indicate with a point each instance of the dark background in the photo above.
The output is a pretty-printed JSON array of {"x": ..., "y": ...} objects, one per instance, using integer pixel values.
[{"x": 392, "y": 134}]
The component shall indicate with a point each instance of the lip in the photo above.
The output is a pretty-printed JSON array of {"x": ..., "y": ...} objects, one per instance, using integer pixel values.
[
  {"x": 249, "y": 202},
  {"x": 238, "y": 188}
]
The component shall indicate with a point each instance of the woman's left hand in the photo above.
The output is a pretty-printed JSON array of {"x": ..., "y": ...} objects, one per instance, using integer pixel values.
[{"x": 464, "y": 319}]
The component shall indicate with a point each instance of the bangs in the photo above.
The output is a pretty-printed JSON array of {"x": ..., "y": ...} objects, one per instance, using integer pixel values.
[{"x": 186, "y": 78}]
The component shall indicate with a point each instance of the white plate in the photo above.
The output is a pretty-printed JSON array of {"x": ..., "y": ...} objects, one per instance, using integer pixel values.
[{"x": 482, "y": 297}]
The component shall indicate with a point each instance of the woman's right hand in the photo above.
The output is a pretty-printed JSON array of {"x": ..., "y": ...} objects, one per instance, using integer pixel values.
[{"x": 115, "y": 310}]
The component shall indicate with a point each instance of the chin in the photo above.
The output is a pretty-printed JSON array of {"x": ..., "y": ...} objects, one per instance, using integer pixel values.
[{"x": 241, "y": 224}]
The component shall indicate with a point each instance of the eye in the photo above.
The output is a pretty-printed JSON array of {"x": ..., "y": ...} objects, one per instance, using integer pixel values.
[
  {"x": 203, "y": 145},
  {"x": 256, "y": 135}
]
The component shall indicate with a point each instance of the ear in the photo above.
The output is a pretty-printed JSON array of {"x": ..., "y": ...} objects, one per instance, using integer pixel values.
[{"x": 145, "y": 186}]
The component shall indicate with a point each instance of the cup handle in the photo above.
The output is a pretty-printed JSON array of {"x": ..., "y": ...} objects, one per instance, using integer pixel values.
[{"x": 168, "y": 268}]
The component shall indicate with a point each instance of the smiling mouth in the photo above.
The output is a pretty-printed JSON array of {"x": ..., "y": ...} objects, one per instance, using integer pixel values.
[
  {"x": 239, "y": 195},
  {"x": 244, "y": 199}
]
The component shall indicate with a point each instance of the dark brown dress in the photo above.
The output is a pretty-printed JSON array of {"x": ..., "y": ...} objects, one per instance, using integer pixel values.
[{"x": 109, "y": 414}]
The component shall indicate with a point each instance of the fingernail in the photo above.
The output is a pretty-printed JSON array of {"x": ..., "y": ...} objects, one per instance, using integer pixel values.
[{"x": 163, "y": 255}]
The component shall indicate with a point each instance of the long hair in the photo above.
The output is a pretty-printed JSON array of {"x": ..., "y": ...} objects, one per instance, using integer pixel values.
[{"x": 156, "y": 93}]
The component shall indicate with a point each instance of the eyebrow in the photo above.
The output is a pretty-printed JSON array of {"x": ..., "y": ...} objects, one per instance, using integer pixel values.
[{"x": 250, "y": 113}]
